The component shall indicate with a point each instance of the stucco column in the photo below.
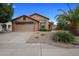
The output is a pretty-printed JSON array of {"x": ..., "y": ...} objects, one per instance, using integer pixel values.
[
  {"x": 47, "y": 24},
  {"x": 13, "y": 26}
]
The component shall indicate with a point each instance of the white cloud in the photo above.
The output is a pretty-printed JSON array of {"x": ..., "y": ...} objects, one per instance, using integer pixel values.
[{"x": 14, "y": 6}]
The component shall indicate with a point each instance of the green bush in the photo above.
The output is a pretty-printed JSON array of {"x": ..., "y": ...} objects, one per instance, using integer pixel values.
[
  {"x": 43, "y": 29},
  {"x": 1, "y": 31},
  {"x": 62, "y": 36}
]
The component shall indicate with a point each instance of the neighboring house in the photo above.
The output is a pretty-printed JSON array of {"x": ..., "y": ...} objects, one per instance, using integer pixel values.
[
  {"x": 33, "y": 22},
  {"x": 6, "y": 27}
]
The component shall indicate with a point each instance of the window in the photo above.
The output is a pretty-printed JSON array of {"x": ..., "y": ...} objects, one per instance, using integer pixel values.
[
  {"x": 4, "y": 26},
  {"x": 42, "y": 23},
  {"x": 24, "y": 18},
  {"x": 9, "y": 26}
]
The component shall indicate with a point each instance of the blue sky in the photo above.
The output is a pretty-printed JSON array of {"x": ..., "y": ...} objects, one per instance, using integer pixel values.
[{"x": 49, "y": 10}]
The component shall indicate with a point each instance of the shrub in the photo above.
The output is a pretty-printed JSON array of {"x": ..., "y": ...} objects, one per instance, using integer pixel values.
[
  {"x": 43, "y": 29},
  {"x": 62, "y": 36},
  {"x": 1, "y": 31},
  {"x": 42, "y": 34},
  {"x": 36, "y": 37}
]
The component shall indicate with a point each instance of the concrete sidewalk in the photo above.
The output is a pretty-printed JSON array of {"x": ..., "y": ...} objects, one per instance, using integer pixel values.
[{"x": 14, "y": 44}]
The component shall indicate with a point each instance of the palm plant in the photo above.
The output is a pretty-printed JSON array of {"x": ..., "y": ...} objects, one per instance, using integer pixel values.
[
  {"x": 72, "y": 16},
  {"x": 62, "y": 24},
  {"x": 6, "y": 12}
]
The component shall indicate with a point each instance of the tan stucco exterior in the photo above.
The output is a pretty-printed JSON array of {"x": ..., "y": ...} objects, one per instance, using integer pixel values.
[
  {"x": 23, "y": 27},
  {"x": 36, "y": 26},
  {"x": 39, "y": 18}
]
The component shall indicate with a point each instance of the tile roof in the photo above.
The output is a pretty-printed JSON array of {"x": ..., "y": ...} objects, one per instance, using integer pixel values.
[
  {"x": 24, "y": 16},
  {"x": 39, "y": 15}
]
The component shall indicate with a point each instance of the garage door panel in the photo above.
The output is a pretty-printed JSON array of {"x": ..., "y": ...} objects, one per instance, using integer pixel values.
[{"x": 25, "y": 27}]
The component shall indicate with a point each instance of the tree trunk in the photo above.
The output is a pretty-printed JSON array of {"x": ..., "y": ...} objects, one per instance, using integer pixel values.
[{"x": 74, "y": 28}]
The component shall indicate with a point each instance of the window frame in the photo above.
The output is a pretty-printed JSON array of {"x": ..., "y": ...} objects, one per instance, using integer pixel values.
[{"x": 42, "y": 23}]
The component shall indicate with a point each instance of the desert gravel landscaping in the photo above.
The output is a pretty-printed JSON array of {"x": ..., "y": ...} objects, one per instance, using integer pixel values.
[
  {"x": 30, "y": 44},
  {"x": 46, "y": 37}
]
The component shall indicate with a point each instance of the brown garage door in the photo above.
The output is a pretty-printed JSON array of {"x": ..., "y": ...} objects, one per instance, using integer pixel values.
[{"x": 24, "y": 27}]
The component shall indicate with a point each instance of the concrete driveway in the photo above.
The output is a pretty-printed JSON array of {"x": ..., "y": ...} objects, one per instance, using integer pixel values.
[{"x": 14, "y": 44}]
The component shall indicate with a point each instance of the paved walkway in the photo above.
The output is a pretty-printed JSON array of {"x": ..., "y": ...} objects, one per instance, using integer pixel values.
[{"x": 14, "y": 44}]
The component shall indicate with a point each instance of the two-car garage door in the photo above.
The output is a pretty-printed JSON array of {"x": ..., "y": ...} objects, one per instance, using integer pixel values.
[{"x": 25, "y": 26}]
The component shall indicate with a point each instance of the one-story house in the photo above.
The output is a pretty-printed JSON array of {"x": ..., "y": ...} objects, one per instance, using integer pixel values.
[{"x": 33, "y": 22}]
